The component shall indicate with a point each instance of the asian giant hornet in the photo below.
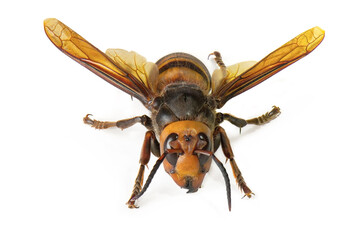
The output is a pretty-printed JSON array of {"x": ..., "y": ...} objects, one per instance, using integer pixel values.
[{"x": 184, "y": 127}]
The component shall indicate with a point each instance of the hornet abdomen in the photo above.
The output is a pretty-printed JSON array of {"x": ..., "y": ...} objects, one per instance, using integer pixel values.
[{"x": 182, "y": 67}]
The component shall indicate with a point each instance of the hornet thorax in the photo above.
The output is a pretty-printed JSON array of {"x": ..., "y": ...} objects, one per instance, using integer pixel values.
[{"x": 183, "y": 87}]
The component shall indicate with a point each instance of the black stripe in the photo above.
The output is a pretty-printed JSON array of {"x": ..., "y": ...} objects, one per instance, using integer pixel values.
[
  {"x": 183, "y": 60},
  {"x": 185, "y": 64}
]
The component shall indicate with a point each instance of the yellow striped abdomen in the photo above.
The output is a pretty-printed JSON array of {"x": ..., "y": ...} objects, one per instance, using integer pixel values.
[{"x": 182, "y": 67}]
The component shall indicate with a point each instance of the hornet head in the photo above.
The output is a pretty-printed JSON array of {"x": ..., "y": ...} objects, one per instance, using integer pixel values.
[{"x": 186, "y": 167}]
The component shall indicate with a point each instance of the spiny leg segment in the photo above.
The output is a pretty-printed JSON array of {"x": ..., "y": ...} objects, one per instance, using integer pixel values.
[
  {"x": 122, "y": 124},
  {"x": 133, "y": 198},
  {"x": 265, "y": 118},
  {"x": 240, "y": 123},
  {"x": 144, "y": 160},
  {"x": 226, "y": 147},
  {"x": 219, "y": 62}
]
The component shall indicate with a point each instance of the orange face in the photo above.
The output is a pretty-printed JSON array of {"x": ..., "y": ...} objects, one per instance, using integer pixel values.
[{"x": 187, "y": 168}]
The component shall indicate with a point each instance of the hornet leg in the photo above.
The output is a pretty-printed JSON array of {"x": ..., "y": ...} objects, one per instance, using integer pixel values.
[
  {"x": 225, "y": 144},
  {"x": 149, "y": 144},
  {"x": 152, "y": 174},
  {"x": 265, "y": 118},
  {"x": 240, "y": 123},
  {"x": 122, "y": 124},
  {"x": 219, "y": 62}
]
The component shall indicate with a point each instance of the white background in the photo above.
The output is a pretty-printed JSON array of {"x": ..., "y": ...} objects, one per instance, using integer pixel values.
[{"x": 60, "y": 179}]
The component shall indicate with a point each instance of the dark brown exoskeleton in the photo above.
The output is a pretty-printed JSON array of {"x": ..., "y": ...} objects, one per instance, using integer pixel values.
[{"x": 184, "y": 128}]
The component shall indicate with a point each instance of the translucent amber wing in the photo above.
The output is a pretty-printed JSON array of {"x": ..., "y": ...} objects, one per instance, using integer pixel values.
[
  {"x": 80, "y": 50},
  {"x": 135, "y": 64},
  {"x": 287, "y": 54},
  {"x": 233, "y": 71}
]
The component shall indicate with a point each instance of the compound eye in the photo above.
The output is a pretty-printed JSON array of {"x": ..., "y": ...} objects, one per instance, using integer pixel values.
[
  {"x": 203, "y": 144},
  {"x": 171, "y": 157},
  {"x": 202, "y": 136}
]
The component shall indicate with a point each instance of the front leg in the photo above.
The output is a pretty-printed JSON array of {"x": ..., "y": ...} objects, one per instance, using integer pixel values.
[
  {"x": 226, "y": 147},
  {"x": 150, "y": 144},
  {"x": 122, "y": 124}
]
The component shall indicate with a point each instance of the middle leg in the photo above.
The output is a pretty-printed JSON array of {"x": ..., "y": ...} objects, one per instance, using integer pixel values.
[
  {"x": 122, "y": 124},
  {"x": 240, "y": 123}
]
